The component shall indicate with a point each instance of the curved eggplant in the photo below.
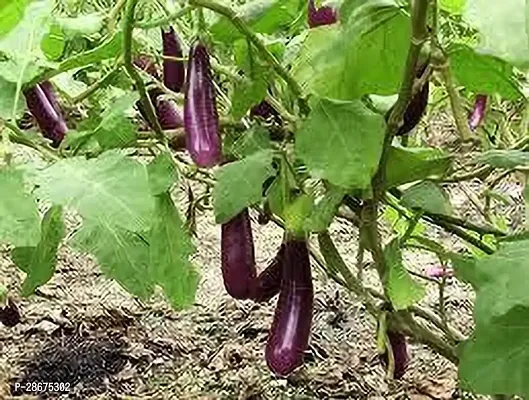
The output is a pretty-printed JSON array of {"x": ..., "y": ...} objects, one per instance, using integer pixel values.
[
  {"x": 268, "y": 282},
  {"x": 325, "y": 15},
  {"x": 237, "y": 256},
  {"x": 50, "y": 121},
  {"x": 477, "y": 115},
  {"x": 401, "y": 357},
  {"x": 289, "y": 335},
  {"x": 173, "y": 70},
  {"x": 200, "y": 110}
]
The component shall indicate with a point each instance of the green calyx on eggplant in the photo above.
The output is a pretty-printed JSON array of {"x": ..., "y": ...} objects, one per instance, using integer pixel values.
[
  {"x": 237, "y": 257},
  {"x": 289, "y": 335},
  {"x": 201, "y": 119}
]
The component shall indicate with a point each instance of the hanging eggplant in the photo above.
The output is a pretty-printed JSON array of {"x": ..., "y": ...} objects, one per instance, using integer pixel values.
[{"x": 173, "y": 70}]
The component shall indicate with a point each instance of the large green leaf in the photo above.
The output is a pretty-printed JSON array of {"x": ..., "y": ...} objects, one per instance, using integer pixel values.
[
  {"x": 500, "y": 280},
  {"x": 341, "y": 141},
  {"x": 39, "y": 262},
  {"x": 504, "y": 158},
  {"x": 240, "y": 184},
  {"x": 19, "y": 217},
  {"x": 123, "y": 255},
  {"x": 503, "y": 29},
  {"x": 263, "y": 16},
  {"x": 453, "y": 6},
  {"x": 427, "y": 196},
  {"x": 170, "y": 249},
  {"x": 496, "y": 358},
  {"x": 481, "y": 73},
  {"x": 402, "y": 289},
  {"x": 407, "y": 165},
  {"x": 162, "y": 174},
  {"x": 11, "y": 12},
  {"x": 116, "y": 128},
  {"x": 366, "y": 55},
  {"x": 8, "y": 92},
  {"x": 112, "y": 189}
]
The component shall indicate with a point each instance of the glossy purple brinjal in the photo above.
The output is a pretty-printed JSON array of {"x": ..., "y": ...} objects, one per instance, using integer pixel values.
[
  {"x": 324, "y": 15},
  {"x": 237, "y": 256},
  {"x": 201, "y": 120},
  {"x": 173, "y": 70},
  {"x": 477, "y": 115},
  {"x": 289, "y": 335},
  {"x": 50, "y": 121}
]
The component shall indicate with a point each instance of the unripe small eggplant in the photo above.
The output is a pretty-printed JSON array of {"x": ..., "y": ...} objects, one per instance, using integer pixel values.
[
  {"x": 289, "y": 335},
  {"x": 325, "y": 15},
  {"x": 173, "y": 70},
  {"x": 237, "y": 256},
  {"x": 268, "y": 283},
  {"x": 477, "y": 115},
  {"x": 201, "y": 120},
  {"x": 401, "y": 356},
  {"x": 50, "y": 121}
]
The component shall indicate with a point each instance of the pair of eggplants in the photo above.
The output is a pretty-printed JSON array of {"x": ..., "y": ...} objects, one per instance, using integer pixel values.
[
  {"x": 200, "y": 120},
  {"x": 288, "y": 274}
]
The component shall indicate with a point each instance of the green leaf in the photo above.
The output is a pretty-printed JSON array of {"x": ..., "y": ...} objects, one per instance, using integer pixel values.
[
  {"x": 402, "y": 289},
  {"x": 341, "y": 141},
  {"x": 239, "y": 184},
  {"x": 111, "y": 189},
  {"x": 366, "y": 55},
  {"x": 280, "y": 192},
  {"x": 8, "y": 92},
  {"x": 453, "y": 6},
  {"x": 53, "y": 43},
  {"x": 507, "y": 159},
  {"x": 407, "y": 165},
  {"x": 324, "y": 209},
  {"x": 427, "y": 196},
  {"x": 500, "y": 280},
  {"x": 116, "y": 128},
  {"x": 162, "y": 174},
  {"x": 250, "y": 142},
  {"x": 123, "y": 255},
  {"x": 496, "y": 358},
  {"x": 170, "y": 249},
  {"x": 481, "y": 73},
  {"x": 39, "y": 262},
  {"x": 85, "y": 24},
  {"x": 19, "y": 217},
  {"x": 263, "y": 16},
  {"x": 502, "y": 28},
  {"x": 248, "y": 93},
  {"x": 11, "y": 13}
]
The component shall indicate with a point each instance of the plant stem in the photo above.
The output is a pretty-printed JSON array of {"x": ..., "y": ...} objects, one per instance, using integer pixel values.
[
  {"x": 163, "y": 21},
  {"x": 128, "y": 27},
  {"x": 101, "y": 83},
  {"x": 113, "y": 15},
  {"x": 254, "y": 39}
]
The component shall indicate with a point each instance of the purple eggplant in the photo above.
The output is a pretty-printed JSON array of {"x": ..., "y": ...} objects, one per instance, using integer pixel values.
[
  {"x": 168, "y": 114},
  {"x": 50, "y": 121},
  {"x": 147, "y": 64},
  {"x": 268, "y": 282},
  {"x": 173, "y": 70},
  {"x": 401, "y": 356},
  {"x": 477, "y": 115},
  {"x": 237, "y": 256},
  {"x": 10, "y": 315},
  {"x": 325, "y": 15},
  {"x": 200, "y": 110},
  {"x": 265, "y": 110},
  {"x": 289, "y": 335}
]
